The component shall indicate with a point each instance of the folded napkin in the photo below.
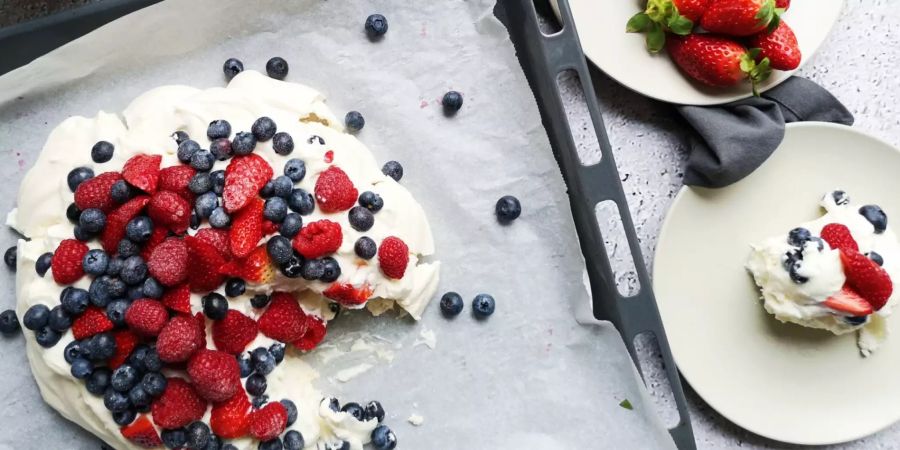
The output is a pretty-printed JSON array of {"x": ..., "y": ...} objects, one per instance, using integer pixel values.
[{"x": 730, "y": 141}]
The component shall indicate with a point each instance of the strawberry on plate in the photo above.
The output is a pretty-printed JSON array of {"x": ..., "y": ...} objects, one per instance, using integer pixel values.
[
  {"x": 315, "y": 332},
  {"x": 850, "y": 302},
  {"x": 347, "y": 294},
  {"x": 175, "y": 179},
  {"x": 838, "y": 237},
  {"x": 66, "y": 261},
  {"x": 244, "y": 177},
  {"x": 247, "y": 228},
  {"x": 255, "y": 268},
  {"x": 867, "y": 278},
  {"x": 284, "y": 320},
  {"x": 717, "y": 60},
  {"x": 779, "y": 45},
  {"x": 178, "y": 298},
  {"x": 179, "y": 405},
  {"x": 661, "y": 16},
  {"x": 91, "y": 322},
  {"x": 142, "y": 433},
  {"x": 217, "y": 238},
  {"x": 739, "y": 17},
  {"x": 233, "y": 333},
  {"x": 142, "y": 172},
  {"x": 126, "y": 341},
  {"x": 231, "y": 419}
]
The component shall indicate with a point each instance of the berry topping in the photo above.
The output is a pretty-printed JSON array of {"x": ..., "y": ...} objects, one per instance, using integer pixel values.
[
  {"x": 126, "y": 341},
  {"x": 371, "y": 201},
  {"x": 268, "y": 422},
  {"x": 284, "y": 320},
  {"x": 868, "y": 279},
  {"x": 42, "y": 264},
  {"x": 293, "y": 440},
  {"x": 334, "y": 190},
  {"x": 247, "y": 229},
  {"x": 876, "y": 216},
  {"x": 295, "y": 170},
  {"x": 256, "y": 384},
  {"x": 374, "y": 410},
  {"x": 204, "y": 262},
  {"x": 96, "y": 192},
  {"x": 244, "y": 177},
  {"x": 216, "y": 238},
  {"x": 218, "y": 129},
  {"x": 117, "y": 222},
  {"x": 179, "y": 339},
  {"x": 198, "y": 436},
  {"x": 354, "y": 121},
  {"x": 876, "y": 258},
  {"x": 146, "y": 317},
  {"x": 301, "y": 202},
  {"x": 168, "y": 209},
  {"x": 275, "y": 209},
  {"x": 77, "y": 176},
  {"x": 365, "y": 248},
  {"x": 850, "y": 302},
  {"x": 331, "y": 270},
  {"x": 451, "y": 304},
  {"x": 393, "y": 257},
  {"x": 231, "y": 68},
  {"x": 234, "y": 332},
  {"x": 142, "y": 433},
  {"x": 186, "y": 150},
  {"x": 93, "y": 321},
  {"x": 383, "y": 438},
  {"x": 507, "y": 209},
  {"x": 376, "y": 26},
  {"x": 838, "y": 237},
  {"x": 263, "y": 129},
  {"x": 139, "y": 229},
  {"x": 231, "y": 419},
  {"x": 178, "y": 299},
  {"x": 319, "y": 238},
  {"x": 392, "y": 169},
  {"x": 178, "y": 405},
  {"x": 277, "y": 68},
  {"x": 168, "y": 262},
  {"x": 483, "y": 305},
  {"x": 452, "y": 102},
  {"x": 215, "y": 374},
  {"x": 283, "y": 143},
  {"x": 102, "y": 152},
  {"x": 348, "y": 295},
  {"x": 798, "y": 236},
  {"x": 279, "y": 249},
  {"x": 361, "y": 219},
  {"x": 243, "y": 143},
  {"x": 67, "y": 261},
  {"x": 142, "y": 172},
  {"x": 203, "y": 160},
  {"x": 215, "y": 306},
  {"x": 256, "y": 267}
]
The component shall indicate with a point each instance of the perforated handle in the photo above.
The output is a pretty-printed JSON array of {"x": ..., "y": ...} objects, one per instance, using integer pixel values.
[{"x": 543, "y": 58}]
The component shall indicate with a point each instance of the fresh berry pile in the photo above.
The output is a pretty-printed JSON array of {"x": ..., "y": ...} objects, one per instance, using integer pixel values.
[{"x": 742, "y": 39}]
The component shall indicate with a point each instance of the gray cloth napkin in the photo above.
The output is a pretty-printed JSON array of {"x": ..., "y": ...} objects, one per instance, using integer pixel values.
[{"x": 730, "y": 141}]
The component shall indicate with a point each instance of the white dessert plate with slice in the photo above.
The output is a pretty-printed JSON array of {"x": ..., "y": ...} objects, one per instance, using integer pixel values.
[
  {"x": 623, "y": 56},
  {"x": 781, "y": 381}
]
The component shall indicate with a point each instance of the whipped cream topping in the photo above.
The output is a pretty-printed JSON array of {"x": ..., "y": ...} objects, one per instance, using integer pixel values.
[
  {"x": 823, "y": 275},
  {"x": 144, "y": 128}
]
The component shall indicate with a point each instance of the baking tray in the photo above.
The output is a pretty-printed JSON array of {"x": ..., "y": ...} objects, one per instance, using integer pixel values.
[{"x": 543, "y": 57}]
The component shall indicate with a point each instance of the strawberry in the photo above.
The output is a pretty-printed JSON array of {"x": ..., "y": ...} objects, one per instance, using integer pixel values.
[
  {"x": 334, "y": 191},
  {"x": 246, "y": 228},
  {"x": 867, "y": 278},
  {"x": 255, "y": 268},
  {"x": 179, "y": 339},
  {"x": 779, "y": 45},
  {"x": 231, "y": 419},
  {"x": 315, "y": 332},
  {"x": 717, "y": 61},
  {"x": 233, "y": 333},
  {"x": 204, "y": 262},
  {"x": 118, "y": 219},
  {"x": 348, "y": 295},
  {"x": 244, "y": 177},
  {"x": 318, "y": 239},
  {"x": 146, "y": 317},
  {"x": 168, "y": 262},
  {"x": 838, "y": 237},
  {"x": 175, "y": 179},
  {"x": 142, "y": 172},
  {"x": 178, "y": 298},
  {"x": 217, "y": 238},
  {"x": 284, "y": 320},
  {"x": 201, "y": 324},
  {"x": 66, "y": 261},
  {"x": 393, "y": 256},
  {"x": 693, "y": 10},
  {"x": 783, "y": 4},
  {"x": 142, "y": 433},
  {"x": 92, "y": 321},
  {"x": 269, "y": 227},
  {"x": 739, "y": 17},
  {"x": 178, "y": 405},
  {"x": 215, "y": 374},
  {"x": 848, "y": 301},
  {"x": 126, "y": 341},
  {"x": 95, "y": 193},
  {"x": 661, "y": 16},
  {"x": 268, "y": 422},
  {"x": 168, "y": 209},
  {"x": 159, "y": 235}
]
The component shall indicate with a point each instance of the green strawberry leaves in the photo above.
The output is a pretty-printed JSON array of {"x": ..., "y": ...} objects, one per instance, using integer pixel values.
[
  {"x": 757, "y": 72},
  {"x": 660, "y": 17},
  {"x": 769, "y": 15},
  {"x": 638, "y": 23}
]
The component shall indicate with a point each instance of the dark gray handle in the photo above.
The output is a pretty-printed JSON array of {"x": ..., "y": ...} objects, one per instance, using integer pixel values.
[{"x": 543, "y": 58}]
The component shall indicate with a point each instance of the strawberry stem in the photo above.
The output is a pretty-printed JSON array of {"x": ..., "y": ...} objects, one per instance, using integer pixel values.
[
  {"x": 757, "y": 72},
  {"x": 660, "y": 17}
]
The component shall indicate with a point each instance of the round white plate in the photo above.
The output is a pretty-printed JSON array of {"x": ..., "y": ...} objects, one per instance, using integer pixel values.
[
  {"x": 623, "y": 56},
  {"x": 782, "y": 381}
]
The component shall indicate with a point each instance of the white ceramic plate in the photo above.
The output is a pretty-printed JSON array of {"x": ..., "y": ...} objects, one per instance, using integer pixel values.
[
  {"x": 623, "y": 56},
  {"x": 781, "y": 381}
]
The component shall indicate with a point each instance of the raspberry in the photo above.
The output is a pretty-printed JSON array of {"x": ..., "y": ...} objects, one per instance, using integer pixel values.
[
  {"x": 868, "y": 279},
  {"x": 95, "y": 193},
  {"x": 217, "y": 238},
  {"x": 179, "y": 339},
  {"x": 204, "y": 262},
  {"x": 393, "y": 256},
  {"x": 168, "y": 262},
  {"x": 142, "y": 433},
  {"x": 284, "y": 320},
  {"x": 348, "y": 295},
  {"x": 146, "y": 317},
  {"x": 126, "y": 341},
  {"x": 231, "y": 418},
  {"x": 92, "y": 321},
  {"x": 66, "y": 261},
  {"x": 318, "y": 238},
  {"x": 334, "y": 191},
  {"x": 246, "y": 229},
  {"x": 315, "y": 332},
  {"x": 838, "y": 237},
  {"x": 244, "y": 177},
  {"x": 233, "y": 333},
  {"x": 142, "y": 172},
  {"x": 215, "y": 374},
  {"x": 255, "y": 268},
  {"x": 118, "y": 219},
  {"x": 268, "y": 422},
  {"x": 178, "y": 405},
  {"x": 159, "y": 235},
  {"x": 178, "y": 299},
  {"x": 168, "y": 209},
  {"x": 175, "y": 179}
]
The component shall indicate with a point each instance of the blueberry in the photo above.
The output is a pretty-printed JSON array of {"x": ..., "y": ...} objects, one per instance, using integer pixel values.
[
  {"x": 301, "y": 202},
  {"x": 114, "y": 266},
  {"x": 260, "y": 301},
  {"x": 365, "y": 247},
  {"x": 138, "y": 397},
  {"x": 374, "y": 410},
  {"x": 73, "y": 351},
  {"x": 244, "y": 365},
  {"x": 452, "y": 102},
  {"x": 792, "y": 263},
  {"x": 371, "y": 201},
  {"x": 134, "y": 270},
  {"x": 451, "y": 304},
  {"x": 73, "y": 213},
  {"x": 179, "y": 137},
  {"x": 228, "y": 447},
  {"x": 205, "y": 204},
  {"x": 194, "y": 222},
  {"x": 127, "y": 248},
  {"x": 75, "y": 301},
  {"x": 124, "y": 378},
  {"x": 507, "y": 209},
  {"x": 235, "y": 287},
  {"x": 200, "y": 183},
  {"x": 36, "y": 317},
  {"x": 376, "y": 26},
  {"x": 10, "y": 258},
  {"x": 291, "y": 409},
  {"x": 295, "y": 169},
  {"x": 197, "y": 435},
  {"x": 139, "y": 229},
  {"x": 263, "y": 361},
  {"x": 876, "y": 216},
  {"x": 221, "y": 149},
  {"x": 103, "y": 289},
  {"x": 263, "y": 129},
  {"x": 153, "y": 383},
  {"x": 174, "y": 438},
  {"x": 339, "y": 445},
  {"x": 98, "y": 382},
  {"x": 101, "y": 347},
  {"x": 268, "y": 189},
  {"x": 231, "y": 68},
  {"x": 120, "y": 191},
  {"x": 203, "y": 160},
  {"x": 840, "y": 198},
  {"x": 312, "y": 269},
  {"x": 46, "y": 337},
  {"x": 798, "y": 236},
  {"x": 214, "y": 443},
  {"x": 219, "y": 218},
  {"x": 124, "y": 417},
  {"x": 218, "y": 129},
  {"x": 331, "y": 270},
  {"x": 259, "y": 401},
  {"x": 95, "y": 262},
  {"x": 77, "y": 176},
  {"x": 483, "y": 305},
  {"x": 354, "y": 410},
  {"x": 383, "y": 438},
  {"x": 115, "y": 286},
  {"x": 135, "y": 292},
  {"x": 275, "y": 209},
  {"x": 272, "y": 444},
  {"x": 60, "y": 320},
  {"x": 215, "y": 306},
  {"x": 293, "y": 440},
  {"x": 81, "y": 234},
  {"x": 282, "y": 186},
  {"x": 218, "y": 181},
  {"x": 9, "y": 323},
  {"x": 277, "y": 351},
  {"x": 856, "y": 320},
  {"x": 115, "y": 311},
  {"x": 102, "y": 152},
  {"x": 115, "y": 401},
  {"x": 92, "y": 220},
  {"x": 42, "y": 265},
  {"x": 876, "y": 257},
  {"x": 291, "y": 225},
  {"x": 152, "y": 288},
  {"x": 392, "y": 169},
  {"x": 333, "y": 404},
  {"x": 354, "y": 121},
  {"x": 277, "y": 68},
  {"x": 282, "y": 143},
  {"x": 256, "y": 384},
  {"x": 187, "y": 150},
  {"x": 279, "y": 249},
  {"x": 138, "y": 357},
  {"x": 361, "y": 219},
  {"x": 243, "y": 143},
  {"x": 293, "y": 268}
]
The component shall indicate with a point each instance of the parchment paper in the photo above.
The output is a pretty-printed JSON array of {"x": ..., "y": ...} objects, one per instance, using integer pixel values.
[{"x": 528, "y": 377}]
